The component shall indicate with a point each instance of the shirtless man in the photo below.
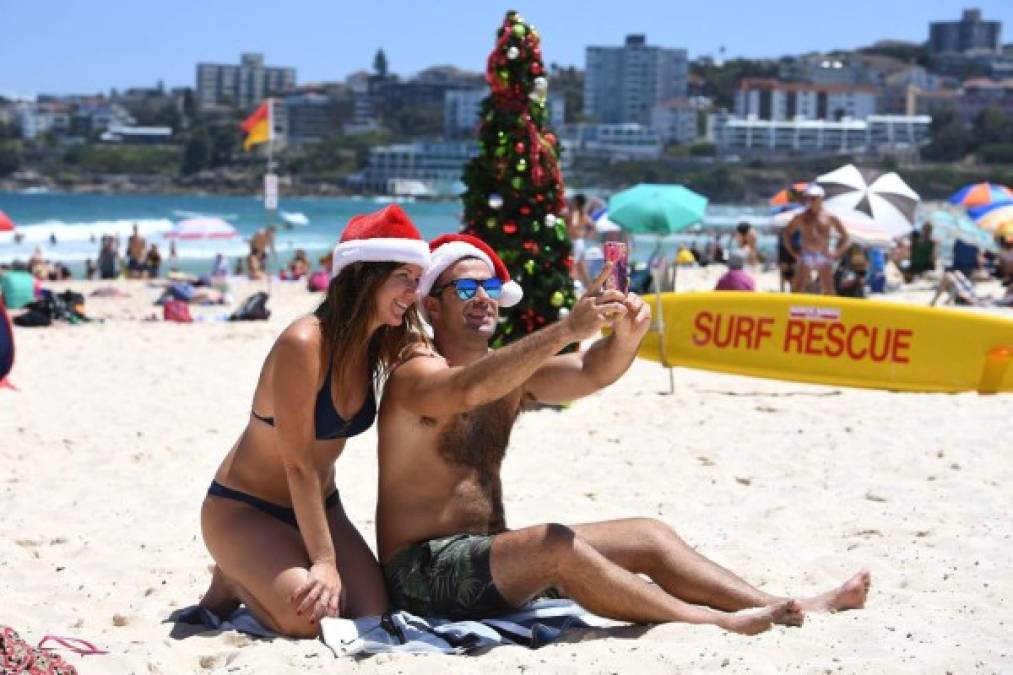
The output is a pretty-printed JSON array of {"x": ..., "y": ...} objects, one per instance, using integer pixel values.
[
  {"x": 444, "y": 426},
  {"x": 262, "y": 244},
  {"x": 745, "y": 240},
  {"x": 816, "y": 227},
  {"x": 137, "y": 249}
]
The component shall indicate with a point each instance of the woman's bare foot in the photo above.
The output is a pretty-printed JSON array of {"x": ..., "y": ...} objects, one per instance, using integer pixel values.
[
  {"x": 849, "y": 595},
  {"x": 759, "y": 619},
  {"x": 219, "y": 599}
]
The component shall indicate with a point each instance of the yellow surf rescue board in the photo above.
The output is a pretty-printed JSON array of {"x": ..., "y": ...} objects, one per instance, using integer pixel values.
[{"x": 836, "y": 341}]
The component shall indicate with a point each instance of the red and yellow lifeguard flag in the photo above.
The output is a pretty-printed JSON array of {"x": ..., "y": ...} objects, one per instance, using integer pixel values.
[{"x": 257, "y": 126}]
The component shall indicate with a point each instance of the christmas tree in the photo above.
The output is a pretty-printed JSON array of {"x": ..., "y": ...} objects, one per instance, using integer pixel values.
[{"x": 514, "y": 193}]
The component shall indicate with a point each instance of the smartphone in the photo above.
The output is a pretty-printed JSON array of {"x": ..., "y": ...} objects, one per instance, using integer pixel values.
[{"x": 617, "y": 253}]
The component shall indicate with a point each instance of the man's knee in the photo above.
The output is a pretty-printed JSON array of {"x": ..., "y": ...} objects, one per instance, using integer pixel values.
[
  {"x": 654, "y": 533},
  {"x": 296, "y": 626}
]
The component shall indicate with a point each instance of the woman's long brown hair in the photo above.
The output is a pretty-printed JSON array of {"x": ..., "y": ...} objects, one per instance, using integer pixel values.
[{"x": 345, "y": 315}]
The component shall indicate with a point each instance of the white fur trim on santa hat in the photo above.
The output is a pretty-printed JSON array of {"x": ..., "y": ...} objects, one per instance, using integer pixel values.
[
  {"x": 448, "y": 254},
  {"x": 380, "y": 249}
]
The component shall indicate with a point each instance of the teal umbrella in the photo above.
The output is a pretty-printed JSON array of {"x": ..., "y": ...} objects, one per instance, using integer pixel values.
[{"x": 649, "y": 208}]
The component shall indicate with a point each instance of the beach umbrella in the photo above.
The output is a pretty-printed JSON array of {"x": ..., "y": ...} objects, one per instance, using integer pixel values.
[
  {"x": 887, "y": 200},
  {"x": 6, "y": 224},
  {"x": 981, "y": 194},
  {"x": 603, "y": 224},
  {"x": 995, "y": 218},
  {"x": 650, "y": 208},
  {"x": 789, "y": 197},
  {"x": 202, "y": 227},
  {"x": 860, "y": 227},
  {"x": 951, "y": 223}
]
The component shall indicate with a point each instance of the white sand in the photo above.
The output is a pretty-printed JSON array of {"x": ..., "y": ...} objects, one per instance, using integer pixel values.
[{"x": 108, "y": 447}]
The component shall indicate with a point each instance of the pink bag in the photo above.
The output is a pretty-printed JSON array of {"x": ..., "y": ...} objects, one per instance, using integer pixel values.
[
  {"x": 176, "y": 310},
  {"x": 318, "y": 281}
]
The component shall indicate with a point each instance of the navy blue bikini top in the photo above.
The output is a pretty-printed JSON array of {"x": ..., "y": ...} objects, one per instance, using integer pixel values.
[{"x": 328, "y": 422}]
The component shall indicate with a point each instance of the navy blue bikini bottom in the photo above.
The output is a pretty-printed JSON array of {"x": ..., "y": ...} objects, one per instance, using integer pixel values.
[{"x": 282, "y": 513}]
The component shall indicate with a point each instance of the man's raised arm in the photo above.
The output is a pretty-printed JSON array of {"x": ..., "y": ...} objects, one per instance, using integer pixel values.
[
  {"x": 429, "y": 387},
  {"x": 571, "y": 376}
]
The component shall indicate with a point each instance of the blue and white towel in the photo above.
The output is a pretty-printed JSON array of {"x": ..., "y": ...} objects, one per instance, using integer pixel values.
[{"x": 536, "y": 624}]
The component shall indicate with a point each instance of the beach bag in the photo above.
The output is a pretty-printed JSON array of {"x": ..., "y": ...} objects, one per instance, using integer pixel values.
[
  {"x": 254, "y": 308},
  {"x": 18, "y": 288},
  {"x": 318, "y": 281},
  {"x": 6, "y": 342},
  {"x": 177, "y": 310}
]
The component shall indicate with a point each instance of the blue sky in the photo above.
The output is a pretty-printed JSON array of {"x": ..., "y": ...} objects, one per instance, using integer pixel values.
[{"x": 83, "y": 47}]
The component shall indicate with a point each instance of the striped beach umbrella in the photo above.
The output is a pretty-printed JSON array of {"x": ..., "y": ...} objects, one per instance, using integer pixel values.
[
  {"x": 981, "y": 194},
  {"x": 994, "y": 218},
  {"x": 887, "y": 200},
  {"x": 6, "y": 224}
]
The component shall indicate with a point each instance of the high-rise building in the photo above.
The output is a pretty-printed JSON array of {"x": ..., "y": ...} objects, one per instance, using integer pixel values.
[
  {"x": 623, "y": 84},
  {"x": 968, "y": 34},
  {"x": 243, "y": 86}
]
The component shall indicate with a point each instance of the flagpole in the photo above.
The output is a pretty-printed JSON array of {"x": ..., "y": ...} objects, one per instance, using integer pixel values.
[{"x": 268, "y": 201}]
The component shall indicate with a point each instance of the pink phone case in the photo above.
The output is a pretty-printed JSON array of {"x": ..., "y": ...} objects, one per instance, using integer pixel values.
[{"x": 617, "y": 253}]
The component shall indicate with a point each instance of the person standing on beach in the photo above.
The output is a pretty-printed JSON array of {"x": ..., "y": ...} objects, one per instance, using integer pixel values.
[
  {"x": 445, "y": 424},
  {"x": 262, "y": 245},
  {"x": 272, "y": 519},
  {"x": 745, "y": 241},
  {"x": 816, "y": 226},
  {"x": 137, "y": 249}
]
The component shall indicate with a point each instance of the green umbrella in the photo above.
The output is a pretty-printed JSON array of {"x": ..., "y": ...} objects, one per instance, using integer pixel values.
[{"x": 656, "y": 209}]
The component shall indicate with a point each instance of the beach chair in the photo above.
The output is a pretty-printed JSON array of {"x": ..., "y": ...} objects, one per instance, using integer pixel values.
[
  {"x": 965, "y": 258},
  {"x": 958, "y": 289}
]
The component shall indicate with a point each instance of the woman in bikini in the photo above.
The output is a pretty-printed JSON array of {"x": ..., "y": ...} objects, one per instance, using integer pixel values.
[{"x": 272, "y": 519}]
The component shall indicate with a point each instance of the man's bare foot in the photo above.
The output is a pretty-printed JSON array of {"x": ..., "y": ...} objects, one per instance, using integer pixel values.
[
  {"x": 849, "y": 595},
  {"x": 220, "y": 599},
  {"x": 759, "y": 619}
]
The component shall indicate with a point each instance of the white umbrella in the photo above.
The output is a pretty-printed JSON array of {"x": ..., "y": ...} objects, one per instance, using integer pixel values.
[
  {"x": 861, "y": 228},
  {"x": 602, "y": 224},
  {"x": 203, "y": 227},
  {"x": 888, "y": 200}
]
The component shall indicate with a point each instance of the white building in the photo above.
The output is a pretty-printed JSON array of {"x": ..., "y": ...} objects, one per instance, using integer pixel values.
[
  {"x": 614, "y": 142},
  {"x": 437, "y": 166},
  {"x": 774, "y": 100},
  {"x": 675, "y": 120},
  {"x": 876, "y": 133},
  {"x": 244, "y": 85},
  {"x": 36, "y": 119},
  {"x": 623, "y": 84},
  {"x": 461, "y": 111}
]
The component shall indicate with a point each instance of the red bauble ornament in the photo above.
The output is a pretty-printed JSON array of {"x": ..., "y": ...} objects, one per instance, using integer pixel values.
[
  {"x": 525, "y": 210},
  {"x": 536, "y": 68},
  {"x": 510, "y": 227},
  {"x": 550, "y": 138},
  {"x": 519, "y": 148},
  {"x": 539, "y": 198}
]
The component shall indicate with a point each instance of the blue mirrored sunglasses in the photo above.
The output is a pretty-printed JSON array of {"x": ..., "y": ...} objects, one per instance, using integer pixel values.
[{"x": 467, "y": 288}]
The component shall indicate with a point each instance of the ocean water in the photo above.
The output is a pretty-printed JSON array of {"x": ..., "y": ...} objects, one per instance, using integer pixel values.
[{"x": 77, "y": 223}]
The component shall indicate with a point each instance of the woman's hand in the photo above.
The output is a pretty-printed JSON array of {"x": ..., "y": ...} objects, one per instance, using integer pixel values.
[{"x": 322, "y": 594}]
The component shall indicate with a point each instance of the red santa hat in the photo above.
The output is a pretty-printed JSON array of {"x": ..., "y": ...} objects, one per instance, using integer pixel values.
[
  {"x": 449, "y": 248},
  {"x": 387, "y": 235}
]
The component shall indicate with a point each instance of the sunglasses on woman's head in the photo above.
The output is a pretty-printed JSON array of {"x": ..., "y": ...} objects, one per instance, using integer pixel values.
[{"x": 467, "y": 288}]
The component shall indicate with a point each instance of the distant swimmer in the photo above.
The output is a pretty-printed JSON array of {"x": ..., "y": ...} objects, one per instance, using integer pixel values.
[{"x": 816, "y": 227}]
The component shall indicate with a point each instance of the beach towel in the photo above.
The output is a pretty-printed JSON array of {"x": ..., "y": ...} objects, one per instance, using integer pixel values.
[{"x": 538, "y": 623}]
